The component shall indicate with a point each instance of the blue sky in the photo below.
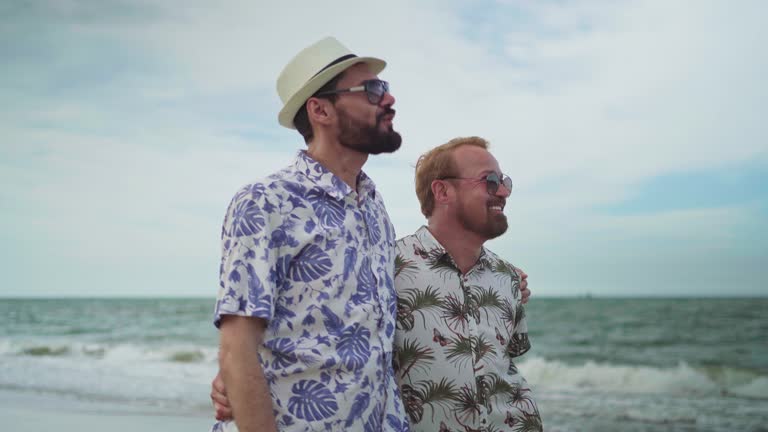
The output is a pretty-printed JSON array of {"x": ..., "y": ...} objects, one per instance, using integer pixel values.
[{"x": 634, "y": 132}]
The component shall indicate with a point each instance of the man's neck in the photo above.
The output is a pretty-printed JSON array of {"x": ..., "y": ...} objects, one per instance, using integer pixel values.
[
  {"x": 464, "y": 247},
  {"x": 345, "y": 163}
]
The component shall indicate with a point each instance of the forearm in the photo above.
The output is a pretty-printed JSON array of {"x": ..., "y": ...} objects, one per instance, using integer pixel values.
[{"x": 244, "y": 379}]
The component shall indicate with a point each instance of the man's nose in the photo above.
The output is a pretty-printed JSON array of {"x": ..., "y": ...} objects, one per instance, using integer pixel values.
[
  {"x": 503, "y": 191},
  {"x": 387, "y": 99}
]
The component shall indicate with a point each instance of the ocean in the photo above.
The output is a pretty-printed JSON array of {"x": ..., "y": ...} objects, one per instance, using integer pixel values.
[{"x": 595, "y": 364}]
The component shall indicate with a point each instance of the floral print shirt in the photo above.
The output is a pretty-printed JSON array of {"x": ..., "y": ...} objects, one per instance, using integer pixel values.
[
  {"x": 315, "y": 259},
  {"x": 456, "y": 337}
]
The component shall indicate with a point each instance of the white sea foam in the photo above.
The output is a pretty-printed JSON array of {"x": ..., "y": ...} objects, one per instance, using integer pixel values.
[
  {"x": 756, "y": 389},
  {"x": 173, "y": 374},
  {"x": 124, "y": 352},
  {"x": 179, "y": 375},
  {"x": 6, "y": 347},
  {"x": 680, "y": 380}
]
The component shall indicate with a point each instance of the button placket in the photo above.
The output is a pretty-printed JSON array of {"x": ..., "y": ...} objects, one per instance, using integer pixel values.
[{"x": 365, "y": 212}]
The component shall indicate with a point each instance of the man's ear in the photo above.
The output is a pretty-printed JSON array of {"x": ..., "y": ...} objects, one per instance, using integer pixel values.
[
  {"x": 441, "y": 192},
  {"x": 320, "y": 111}
]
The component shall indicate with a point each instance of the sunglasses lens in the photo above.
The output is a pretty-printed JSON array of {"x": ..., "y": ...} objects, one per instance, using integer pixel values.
[
  {"x": 376, "y": 90},
  {"x": 508, "y": 183},
  {"x": 492, "y": 183}
]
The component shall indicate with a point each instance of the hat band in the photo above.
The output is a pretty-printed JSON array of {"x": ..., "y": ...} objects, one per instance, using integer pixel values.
[{"x": 338, "y": 60}]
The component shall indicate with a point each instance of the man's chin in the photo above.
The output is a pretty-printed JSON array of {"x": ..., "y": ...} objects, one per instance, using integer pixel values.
[
  {"x": 370, "y": 140},
  {"x": 384, "y": 150},
  {"x": 389, "y": 143},
  {"x": 497, "y": 227}
]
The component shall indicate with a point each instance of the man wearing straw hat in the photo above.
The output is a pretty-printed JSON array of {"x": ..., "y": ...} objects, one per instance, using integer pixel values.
[{"x": 306, "y": 305}]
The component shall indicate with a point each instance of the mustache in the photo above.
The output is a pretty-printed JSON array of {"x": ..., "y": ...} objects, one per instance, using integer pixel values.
[{"x": 386, "y": 111}]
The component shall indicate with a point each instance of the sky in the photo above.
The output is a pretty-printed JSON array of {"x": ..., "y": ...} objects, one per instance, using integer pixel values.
[{"x": 635, "y": 133}]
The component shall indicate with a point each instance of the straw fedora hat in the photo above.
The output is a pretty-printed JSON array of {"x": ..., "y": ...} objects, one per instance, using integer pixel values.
[{"x": 312, "y": 68}]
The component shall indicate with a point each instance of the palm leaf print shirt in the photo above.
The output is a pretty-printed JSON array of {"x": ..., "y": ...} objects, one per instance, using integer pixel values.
[
  {"x": 315, "y": 259},
  {"x": 456, "y": 337}
]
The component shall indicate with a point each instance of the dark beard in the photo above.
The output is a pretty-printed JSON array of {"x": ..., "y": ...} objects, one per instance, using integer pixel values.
[
  {"x": 367, "y": 139},
  {"x": 493, "y": 226}
]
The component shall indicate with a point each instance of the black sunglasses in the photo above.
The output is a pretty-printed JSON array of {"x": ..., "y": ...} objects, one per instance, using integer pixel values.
[
  {"x": 374, "y": 88},
  {"x": 492, "y": 181}
]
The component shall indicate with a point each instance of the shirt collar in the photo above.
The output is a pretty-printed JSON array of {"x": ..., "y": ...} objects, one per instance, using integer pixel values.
[
  {"x": 428, "y": 241},
  {"x": 316, "y": 173},
  {"x": 431, "y": 245}
]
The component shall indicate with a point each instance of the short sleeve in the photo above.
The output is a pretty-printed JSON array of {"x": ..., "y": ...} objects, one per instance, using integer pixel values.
[
  {"x": 519, "y": 343},
  {"x": 247, "y": 275}
]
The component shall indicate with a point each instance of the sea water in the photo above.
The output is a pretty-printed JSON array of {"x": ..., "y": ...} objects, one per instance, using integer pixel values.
[{"x": 595, "y": 364}]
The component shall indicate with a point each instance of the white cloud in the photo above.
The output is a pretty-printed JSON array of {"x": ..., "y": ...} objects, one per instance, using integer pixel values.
[{"x": 582, "y": 102}]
